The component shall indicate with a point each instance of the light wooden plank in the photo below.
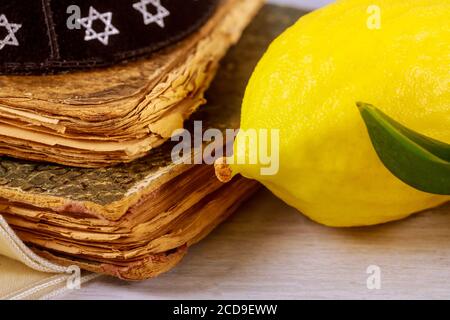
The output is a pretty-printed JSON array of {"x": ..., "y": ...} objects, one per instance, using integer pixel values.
[{"x": 268, "y": 250}]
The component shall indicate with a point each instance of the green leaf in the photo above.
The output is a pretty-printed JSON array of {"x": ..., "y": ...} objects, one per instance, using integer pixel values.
[{"x": 417, "y": 160}]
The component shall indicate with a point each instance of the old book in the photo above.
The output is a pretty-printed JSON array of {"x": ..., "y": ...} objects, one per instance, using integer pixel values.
[
  {"x": 107, "y": 116},
  {"x": 136, "y": 220},
  {"x": 54, "y": 36}
]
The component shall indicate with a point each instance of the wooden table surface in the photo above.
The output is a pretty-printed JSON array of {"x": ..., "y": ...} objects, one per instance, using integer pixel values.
[{"x": 270, "y": 251}]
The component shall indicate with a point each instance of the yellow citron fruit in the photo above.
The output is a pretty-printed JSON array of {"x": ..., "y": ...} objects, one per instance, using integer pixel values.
[{"x": 394, "y": 54}]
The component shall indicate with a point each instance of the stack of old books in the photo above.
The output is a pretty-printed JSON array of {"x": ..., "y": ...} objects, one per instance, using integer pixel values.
[{"x": 87, "y": 176}]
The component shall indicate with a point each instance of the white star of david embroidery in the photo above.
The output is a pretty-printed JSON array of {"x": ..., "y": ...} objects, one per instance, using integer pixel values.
[
  {"x": 10, "y": 39},
  {"x": 91, "y": 34},
  {"x": 149, "y": 18}
]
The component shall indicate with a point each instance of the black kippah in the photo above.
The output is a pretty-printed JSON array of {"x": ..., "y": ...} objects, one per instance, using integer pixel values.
[{"x": 47, "y": 36}]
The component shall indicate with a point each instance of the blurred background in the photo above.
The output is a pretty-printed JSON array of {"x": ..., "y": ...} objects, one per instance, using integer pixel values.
[{"x": 306, "y": 4}]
